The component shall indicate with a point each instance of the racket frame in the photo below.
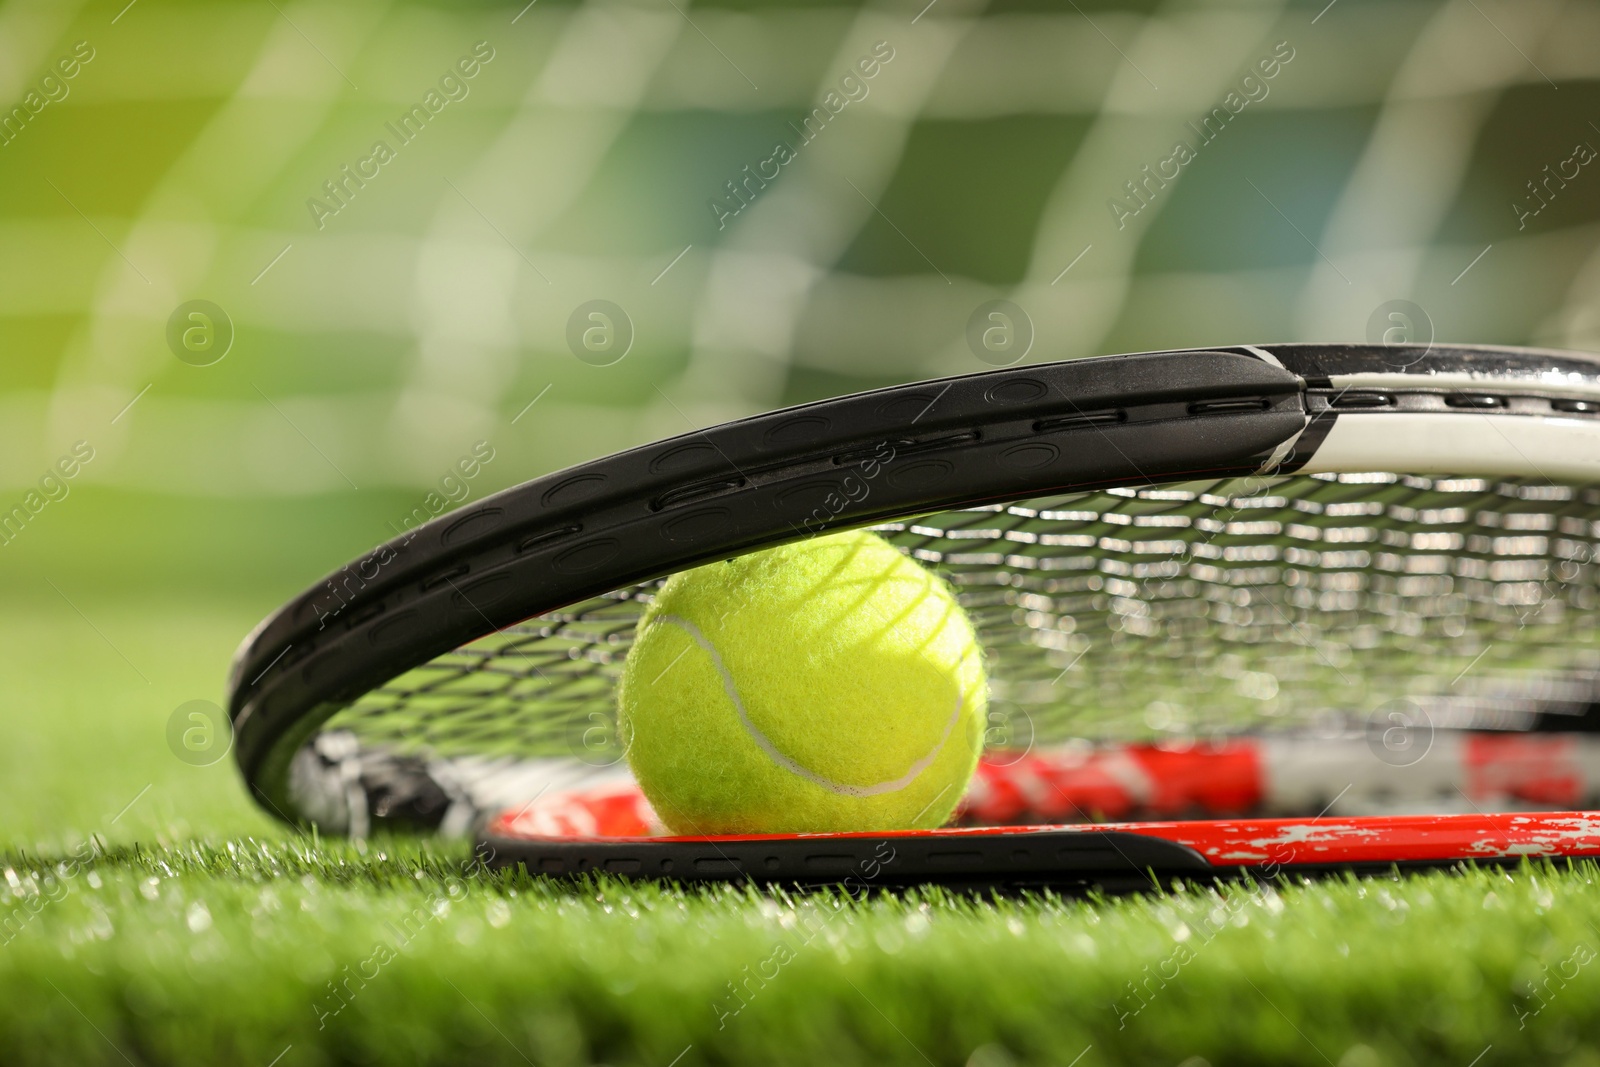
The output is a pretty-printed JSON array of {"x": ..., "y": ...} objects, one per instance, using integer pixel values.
[
  {"x": 1114, "y": 857},
  {"x": 980, "y": 439}
]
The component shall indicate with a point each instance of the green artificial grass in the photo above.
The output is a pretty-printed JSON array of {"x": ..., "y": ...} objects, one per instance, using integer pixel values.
[
  {"x": 236, "y": 951},
  {"x": 149, "y": 915}
]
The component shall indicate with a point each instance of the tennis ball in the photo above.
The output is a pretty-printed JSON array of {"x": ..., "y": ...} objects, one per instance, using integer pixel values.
[{"x": 832, "y": 684}]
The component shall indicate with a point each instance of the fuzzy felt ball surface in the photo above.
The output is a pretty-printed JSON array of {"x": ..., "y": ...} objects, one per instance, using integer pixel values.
[{"x": 828, "y": 685}]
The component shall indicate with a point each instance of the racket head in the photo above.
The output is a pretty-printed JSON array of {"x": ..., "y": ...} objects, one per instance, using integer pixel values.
[{"x": 562, "y": 564}]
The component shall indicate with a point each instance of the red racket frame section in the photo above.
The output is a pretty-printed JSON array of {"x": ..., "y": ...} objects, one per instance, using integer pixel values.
[{"x": 1224, "y": 843}]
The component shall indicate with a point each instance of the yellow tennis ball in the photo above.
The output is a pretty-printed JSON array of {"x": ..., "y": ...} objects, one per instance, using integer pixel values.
[{"x": 832, "y": 684}]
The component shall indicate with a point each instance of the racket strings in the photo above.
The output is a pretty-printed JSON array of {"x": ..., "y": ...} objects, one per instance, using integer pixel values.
[
  {"x": 1133, "y": 613},
  {"x": 521, "y": 691},
  {"x": 1248, "y": 604}
]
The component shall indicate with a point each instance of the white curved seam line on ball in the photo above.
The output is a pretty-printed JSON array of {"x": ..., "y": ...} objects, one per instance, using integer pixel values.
[{"x": 784, "y": 761}]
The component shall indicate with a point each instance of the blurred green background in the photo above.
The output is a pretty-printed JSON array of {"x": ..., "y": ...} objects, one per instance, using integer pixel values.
[{"x": 1389, "y": 158}]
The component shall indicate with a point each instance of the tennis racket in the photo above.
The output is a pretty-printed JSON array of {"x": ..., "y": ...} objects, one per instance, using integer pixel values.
[{"x": 1280, "y": 588}]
